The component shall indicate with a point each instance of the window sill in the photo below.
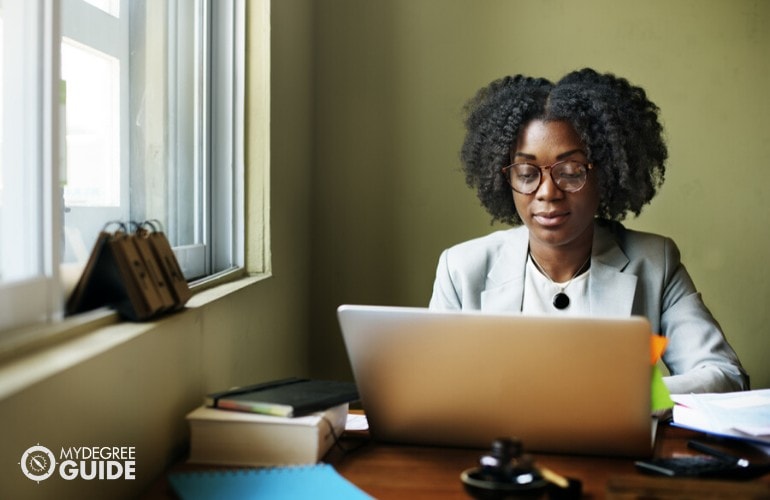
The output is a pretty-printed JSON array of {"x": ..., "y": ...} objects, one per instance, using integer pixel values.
[{"x": 54, "y": 348}]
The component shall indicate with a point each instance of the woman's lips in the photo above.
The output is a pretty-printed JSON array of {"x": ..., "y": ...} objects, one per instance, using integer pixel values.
[{"x": 550, "y": 219}]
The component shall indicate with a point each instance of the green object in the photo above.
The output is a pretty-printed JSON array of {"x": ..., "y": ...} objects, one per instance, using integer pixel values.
[{"x": 659, "y": 396}]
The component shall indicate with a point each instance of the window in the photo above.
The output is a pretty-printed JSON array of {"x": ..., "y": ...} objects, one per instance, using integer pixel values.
[{"x": 135, "y": 113}]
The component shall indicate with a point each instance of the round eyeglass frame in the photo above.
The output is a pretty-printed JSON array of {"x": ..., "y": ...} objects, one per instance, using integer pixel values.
[{"x": 505, "y": 171}]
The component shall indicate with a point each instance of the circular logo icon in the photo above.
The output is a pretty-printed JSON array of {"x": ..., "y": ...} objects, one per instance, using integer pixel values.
[{"x": 38, "y": 463}]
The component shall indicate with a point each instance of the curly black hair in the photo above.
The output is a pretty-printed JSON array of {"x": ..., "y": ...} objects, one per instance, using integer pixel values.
[{"x": 615, "y": 120}]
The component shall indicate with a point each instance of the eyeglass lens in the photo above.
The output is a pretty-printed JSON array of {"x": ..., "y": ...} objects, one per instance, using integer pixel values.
[{"x": 569, "y": 176}]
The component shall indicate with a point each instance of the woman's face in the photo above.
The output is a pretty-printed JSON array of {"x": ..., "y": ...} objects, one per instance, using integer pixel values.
[{"x": 555, "y": 218}]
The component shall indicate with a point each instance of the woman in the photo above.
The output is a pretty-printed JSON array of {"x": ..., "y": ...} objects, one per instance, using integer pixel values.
[{"x": 565, "y": 163}]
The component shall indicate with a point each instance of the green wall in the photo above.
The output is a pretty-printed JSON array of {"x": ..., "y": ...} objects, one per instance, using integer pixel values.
[{"x": 391, "y": 76}]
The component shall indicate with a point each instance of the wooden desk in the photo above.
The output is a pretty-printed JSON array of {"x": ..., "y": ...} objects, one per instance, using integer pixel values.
[
  {"x": 387, "y": 471},
  {"x": 416, "y": 472}
]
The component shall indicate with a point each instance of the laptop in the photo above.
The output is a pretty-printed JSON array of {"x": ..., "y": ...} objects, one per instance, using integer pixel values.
[{"x": 563, "y": 385}]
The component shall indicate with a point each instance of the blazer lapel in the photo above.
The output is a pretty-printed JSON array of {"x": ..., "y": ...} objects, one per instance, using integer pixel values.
[
  {"x": 610, "y": 291},
  {"x": 504, "y": 289}
]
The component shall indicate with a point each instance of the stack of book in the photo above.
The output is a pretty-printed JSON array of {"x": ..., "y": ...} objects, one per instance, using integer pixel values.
[{"x": 284, "y": 422}]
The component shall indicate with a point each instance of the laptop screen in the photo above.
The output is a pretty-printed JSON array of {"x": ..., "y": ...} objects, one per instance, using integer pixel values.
[{"x": 574, "y": 385}]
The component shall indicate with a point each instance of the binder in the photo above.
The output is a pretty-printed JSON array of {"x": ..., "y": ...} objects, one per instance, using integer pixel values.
[
  {"x": 144, "y": 248},
  {"x": 127, "y": 272},
  {"x": 142, "y": 292},
  {"x": 168, "y": 266}
]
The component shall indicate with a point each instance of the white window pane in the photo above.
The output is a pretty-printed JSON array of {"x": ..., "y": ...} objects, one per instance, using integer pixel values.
[
  {"x": 94, "y": 50},
  {"x": 93, "y": 127},
  {"x": 20, "y": 164},
  {"x": 111, "y": 7},
  {"x": 136, "y": 117},
  {"x": 169, "y": 140},
  {"x": 2, "y": 122}
]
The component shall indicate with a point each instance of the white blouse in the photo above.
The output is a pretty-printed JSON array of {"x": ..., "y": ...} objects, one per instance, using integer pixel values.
[{"x": 539, "y": 292}]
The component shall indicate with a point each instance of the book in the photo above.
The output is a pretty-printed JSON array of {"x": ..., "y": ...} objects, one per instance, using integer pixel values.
[
  {"x": 227, "y": 437},
  {"x": 319, "y": 482},
  {"x": 289, "y": 397}
]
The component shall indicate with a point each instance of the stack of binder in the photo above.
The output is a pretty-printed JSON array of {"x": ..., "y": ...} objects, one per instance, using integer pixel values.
[{"x": 135, "y": 272}]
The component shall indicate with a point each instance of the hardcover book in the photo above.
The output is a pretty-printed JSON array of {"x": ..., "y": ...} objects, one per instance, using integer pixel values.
[
  {"x": 290, "y": 397},
  {"x": 248, "y": 439}
]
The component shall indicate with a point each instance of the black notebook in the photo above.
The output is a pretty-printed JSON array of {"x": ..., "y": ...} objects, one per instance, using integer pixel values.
[{"x": 290, "y": 397}]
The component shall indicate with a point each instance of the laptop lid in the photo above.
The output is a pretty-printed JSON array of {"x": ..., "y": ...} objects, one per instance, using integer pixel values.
[{"x": 566, "y": 385}]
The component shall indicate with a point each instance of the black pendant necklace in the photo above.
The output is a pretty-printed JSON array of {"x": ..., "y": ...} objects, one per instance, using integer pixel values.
[{"x": 560, "y": 299}]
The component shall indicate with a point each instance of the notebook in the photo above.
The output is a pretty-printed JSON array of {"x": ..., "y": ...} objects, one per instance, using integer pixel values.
[
  {"x": 297, "y": 482},
  {"x": 565, "y": 385}
]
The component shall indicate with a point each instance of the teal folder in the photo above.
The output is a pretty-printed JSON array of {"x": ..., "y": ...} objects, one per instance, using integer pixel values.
[{"x": 318, "y": 481}]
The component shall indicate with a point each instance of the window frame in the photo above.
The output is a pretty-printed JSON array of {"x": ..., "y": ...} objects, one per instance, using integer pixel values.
[
  {"x": 228, "y": 157},
  {"x": 35, "y": 116}
]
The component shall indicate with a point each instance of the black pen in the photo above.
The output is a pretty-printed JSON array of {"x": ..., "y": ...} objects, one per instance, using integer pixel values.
[{"x": 703, "y": 447}]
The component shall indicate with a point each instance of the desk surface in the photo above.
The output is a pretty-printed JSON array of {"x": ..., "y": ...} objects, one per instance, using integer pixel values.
[
  {"x": 387, "y": 471},
  {"x": 393, "y": 471}
]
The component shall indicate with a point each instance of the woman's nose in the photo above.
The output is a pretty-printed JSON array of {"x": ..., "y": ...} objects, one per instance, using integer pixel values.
[{"x": 548, "y": 190}]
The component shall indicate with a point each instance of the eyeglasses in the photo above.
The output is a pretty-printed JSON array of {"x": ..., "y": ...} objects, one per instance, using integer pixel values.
[{"x": 569, "y": 176}]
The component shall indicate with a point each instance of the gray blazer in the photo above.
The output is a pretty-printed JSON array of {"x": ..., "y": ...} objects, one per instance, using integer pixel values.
[{"x": 632, "y": 273}]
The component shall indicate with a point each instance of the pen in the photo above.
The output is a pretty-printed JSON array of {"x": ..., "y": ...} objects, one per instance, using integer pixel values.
[
  {"x": 703, "y": 447},
  {"x": 554, "y": 478}
]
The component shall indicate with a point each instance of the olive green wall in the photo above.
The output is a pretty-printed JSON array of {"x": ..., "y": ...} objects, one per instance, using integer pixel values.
[{"x": 391, "y": 77}]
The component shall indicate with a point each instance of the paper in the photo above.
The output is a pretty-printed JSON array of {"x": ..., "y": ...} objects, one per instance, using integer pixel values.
[
  {"x": 356, "y": 422},
  {"x": 744, "y": 415}
]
